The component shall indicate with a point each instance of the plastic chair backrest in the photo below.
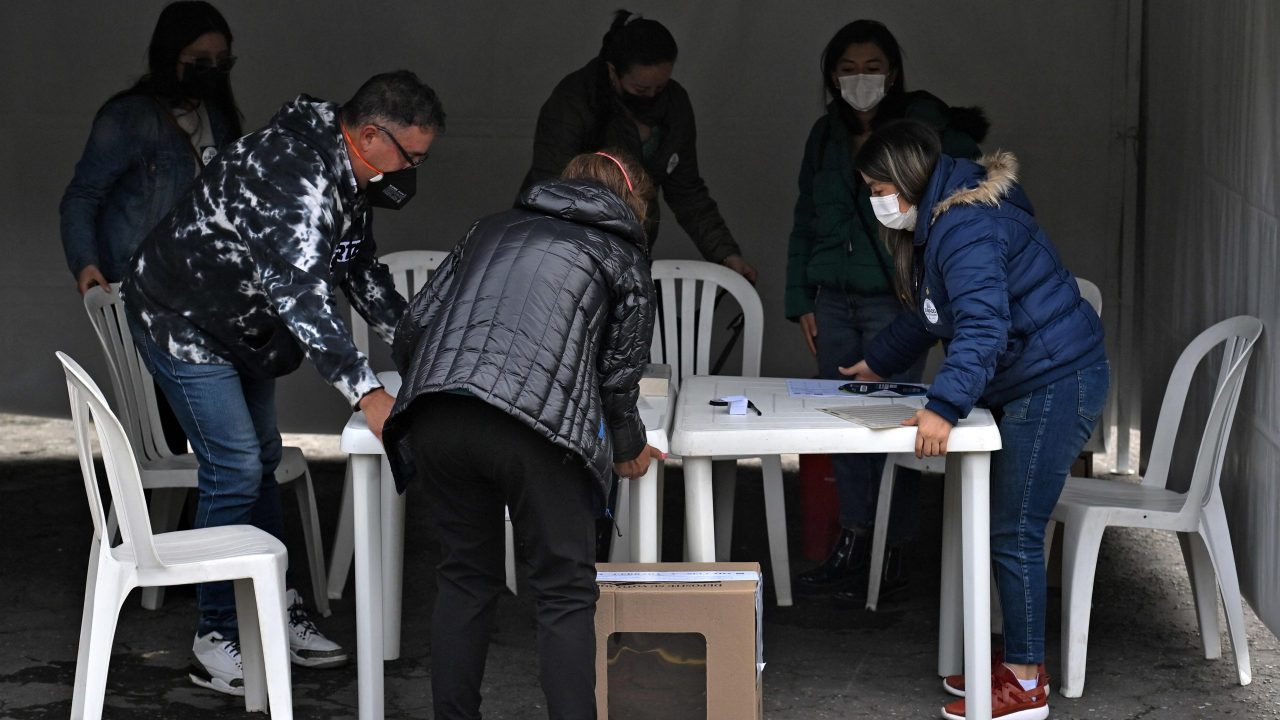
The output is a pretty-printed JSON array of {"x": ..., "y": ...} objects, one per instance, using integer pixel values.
[
  {"x": 130, "y": 380},
  {"x": 1237, "y": 335},
  {"x": 117, "y": 457},
  {"x": 410, "y": 269},
  {"x": 683, "y": 326},
  {"x": 1091, "y": 294}
]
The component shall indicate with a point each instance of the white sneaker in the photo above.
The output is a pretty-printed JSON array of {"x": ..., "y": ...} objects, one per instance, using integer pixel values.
[
  {"x": 217, "y": 664},
  {"x": 307, "y": 647}
]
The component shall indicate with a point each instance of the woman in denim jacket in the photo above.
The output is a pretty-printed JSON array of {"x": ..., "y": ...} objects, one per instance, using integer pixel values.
[
  {"x": 982, "y": 276},
  {"x": 149, "y": 142}
]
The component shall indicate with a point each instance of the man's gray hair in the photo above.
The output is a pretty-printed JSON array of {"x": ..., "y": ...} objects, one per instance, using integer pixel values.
[{"x": 398, "y": 97}]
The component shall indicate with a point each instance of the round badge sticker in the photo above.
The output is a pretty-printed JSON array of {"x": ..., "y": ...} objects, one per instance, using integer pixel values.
[
  {"x": 208, "y": 154},
  {"x": 672, "y": 162},
  {"x": 930, "y": 311}
]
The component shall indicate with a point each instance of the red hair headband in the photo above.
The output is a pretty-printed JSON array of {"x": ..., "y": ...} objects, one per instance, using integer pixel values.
[{"x": 625, "y": 176}]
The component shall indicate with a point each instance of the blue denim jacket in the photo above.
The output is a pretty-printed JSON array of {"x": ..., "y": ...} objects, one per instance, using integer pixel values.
[{"x": 135, "y": 166}]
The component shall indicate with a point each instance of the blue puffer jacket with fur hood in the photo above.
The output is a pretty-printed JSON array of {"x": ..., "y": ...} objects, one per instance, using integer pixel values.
[{"x": 990, "y": 284}]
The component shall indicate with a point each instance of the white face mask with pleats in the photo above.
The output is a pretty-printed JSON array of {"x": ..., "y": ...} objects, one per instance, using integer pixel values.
[
  {"x": 889, "y": 214},
  {"x": 862, "y": 92}
]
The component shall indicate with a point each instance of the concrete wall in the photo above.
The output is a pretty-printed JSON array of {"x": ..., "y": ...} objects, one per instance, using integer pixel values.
[
  {"x": 1043, "y": 71},
  {"x": 1210, "y": 251}
]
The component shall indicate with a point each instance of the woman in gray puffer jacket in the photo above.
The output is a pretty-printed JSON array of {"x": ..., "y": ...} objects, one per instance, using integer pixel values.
[{"x": 521, "y": 362}]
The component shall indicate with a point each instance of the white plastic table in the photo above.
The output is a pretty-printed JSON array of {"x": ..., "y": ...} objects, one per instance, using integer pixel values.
[
  {"x": 379, "y": 539},
  {"x": 795, "y": 425}
]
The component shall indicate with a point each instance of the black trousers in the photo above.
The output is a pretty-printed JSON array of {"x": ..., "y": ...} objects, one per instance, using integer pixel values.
[{"x": 473, "y": 459}]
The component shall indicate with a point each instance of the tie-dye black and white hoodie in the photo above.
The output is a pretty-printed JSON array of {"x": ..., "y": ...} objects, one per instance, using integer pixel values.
[{"x": 245, "y": 268}]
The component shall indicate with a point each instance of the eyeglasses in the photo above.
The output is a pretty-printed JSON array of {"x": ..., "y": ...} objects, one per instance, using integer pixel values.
[
  {"x": 403, "y": 153},
  {"x": 223, "y": 64}
]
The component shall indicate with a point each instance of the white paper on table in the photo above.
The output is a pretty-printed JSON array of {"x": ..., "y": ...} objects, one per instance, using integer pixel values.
[
  {"x": 876, "y": 417},
  {"x": 816, "y": 388}
]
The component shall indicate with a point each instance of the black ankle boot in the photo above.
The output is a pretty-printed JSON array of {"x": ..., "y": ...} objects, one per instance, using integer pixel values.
[
  {"x": 846, "y": 564},
  {"x": 894, "y": 579}
]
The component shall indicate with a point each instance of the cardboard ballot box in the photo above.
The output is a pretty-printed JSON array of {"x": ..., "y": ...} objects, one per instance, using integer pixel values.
[{"x": 678, "y": 640}]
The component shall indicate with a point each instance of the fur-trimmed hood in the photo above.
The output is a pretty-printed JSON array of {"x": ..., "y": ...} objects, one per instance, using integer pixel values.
[{"x": 1001, "y": 180}]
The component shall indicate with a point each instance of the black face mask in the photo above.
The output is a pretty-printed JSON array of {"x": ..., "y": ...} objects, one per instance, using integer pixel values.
[
  {"x": 202, "y": 82},
  {"x": 640, "y": 104},
  {"x": 394, "y": 190}
]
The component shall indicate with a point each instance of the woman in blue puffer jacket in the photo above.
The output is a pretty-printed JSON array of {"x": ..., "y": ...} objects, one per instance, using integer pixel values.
[{"x": 977, "y": 271}]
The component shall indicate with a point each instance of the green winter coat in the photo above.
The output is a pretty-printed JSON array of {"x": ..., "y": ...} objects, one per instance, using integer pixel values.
[
  {"x": 835, "y": 240},
  {"x": 583, "y": 114}
]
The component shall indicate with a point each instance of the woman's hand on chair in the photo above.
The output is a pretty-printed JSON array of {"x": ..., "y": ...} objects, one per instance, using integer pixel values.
[{"x": 90, "y": 276}]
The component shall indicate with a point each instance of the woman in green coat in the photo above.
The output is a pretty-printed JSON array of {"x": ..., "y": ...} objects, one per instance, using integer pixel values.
[{"x": 839, "y": 274}]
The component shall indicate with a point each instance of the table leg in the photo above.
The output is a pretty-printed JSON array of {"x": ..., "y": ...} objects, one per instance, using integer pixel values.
[
  {"x": 951, "y": 602},
  {"x": 365, "y": 480},
  {"x": 393, "y": 504},
  {"x": 699, "y": 510},
  {"x": 975, "y": 474},
  {"x": 644, "y": 514}
]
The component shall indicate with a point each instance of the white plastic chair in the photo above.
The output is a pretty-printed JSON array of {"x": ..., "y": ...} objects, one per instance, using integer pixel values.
[
  {"x": 410, "y": 270},
  {"x": 937, "y": 466},
  {"x": 1088, "y": 506},
  {"x": 682, "y": 339},
  {"x": 170, "y": 477},
  {"x": 250, "y": 557}
]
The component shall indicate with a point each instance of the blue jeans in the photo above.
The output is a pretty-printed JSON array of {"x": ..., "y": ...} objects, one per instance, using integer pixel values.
[
  {"x": 1042, "y": 433},
  {"x": 231, "y": 423},
  {"x": 847, "y": 323}
]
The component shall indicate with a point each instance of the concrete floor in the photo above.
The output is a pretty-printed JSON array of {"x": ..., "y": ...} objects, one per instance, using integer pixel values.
[{"x": 824, "y": 661}]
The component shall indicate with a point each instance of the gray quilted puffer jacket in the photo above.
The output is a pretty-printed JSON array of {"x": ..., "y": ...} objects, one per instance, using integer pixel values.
[{"x": 545, "y": 312}]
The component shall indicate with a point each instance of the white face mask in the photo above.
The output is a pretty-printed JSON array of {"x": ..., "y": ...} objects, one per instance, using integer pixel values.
[
  {"x": 887, "y": 212},
  {"x": 863, "y": 92}
]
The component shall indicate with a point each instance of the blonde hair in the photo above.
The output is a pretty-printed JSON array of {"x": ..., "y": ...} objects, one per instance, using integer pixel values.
[{"x": 617, "y": 171}]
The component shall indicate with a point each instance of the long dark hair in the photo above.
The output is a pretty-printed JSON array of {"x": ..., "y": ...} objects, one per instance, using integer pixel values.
[
  {"x": 858, "y": 32},
  {"x": 905, "y": 153},
  {"x": 636, "y": 40},
  {"x": 180, "y": 24}
]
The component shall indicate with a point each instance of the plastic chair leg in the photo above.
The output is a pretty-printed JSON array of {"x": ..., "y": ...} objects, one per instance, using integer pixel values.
[
  {"x": 164, "y": 507},
  {"x": 624, "y": 517},
  {"x": 724, "y": 474},
  {"x": 658, "y": 493},
  {"x": 343, "y": 542},
  {"x": 102, "y": 601},
  {"x": 1213, "y": 528},
  {"x": 880, "y": 532},
  {"x": 313, "y": 541},
  {"x": 252, "y": 663},
  {"x": 1081, "y": 540},
  {"x": 264, "y": 643},
  {"x": 1204, "y": 589},
  {"x": 775, "y": 510}
]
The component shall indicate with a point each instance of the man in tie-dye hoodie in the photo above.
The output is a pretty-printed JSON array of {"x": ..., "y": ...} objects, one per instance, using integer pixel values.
[{"x": 239, "y": 283}]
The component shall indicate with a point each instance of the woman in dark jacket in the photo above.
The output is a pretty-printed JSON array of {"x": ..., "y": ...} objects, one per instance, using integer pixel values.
[
  {"x": 147, "y": 145},
  {"x": 625, "y": 98},
  {"x": 839, "y": 281},
  {"x": 149, "y": 142},
  {"x": 981, "y": 276},
  {"x": 521, "y": 362}
]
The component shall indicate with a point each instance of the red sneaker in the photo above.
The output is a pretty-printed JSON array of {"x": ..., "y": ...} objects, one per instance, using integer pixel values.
[
  {"x": 1008, "y": 700},
  {"x": 954, "y": 684}
]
